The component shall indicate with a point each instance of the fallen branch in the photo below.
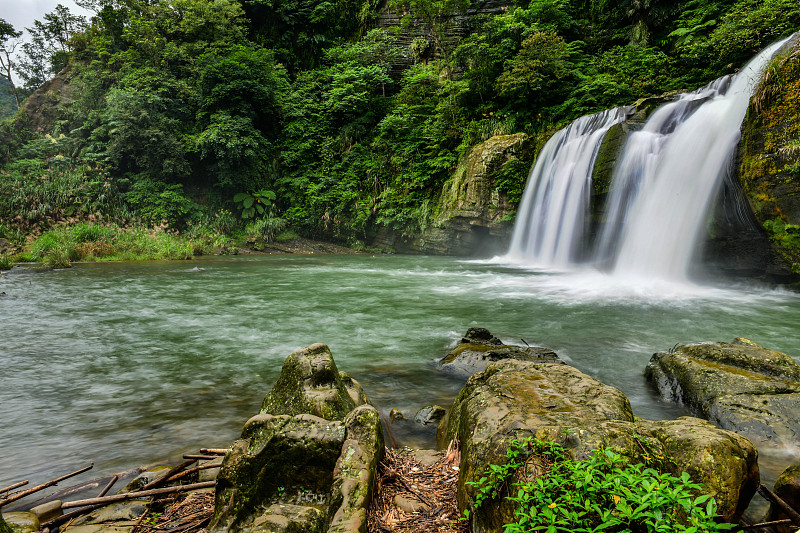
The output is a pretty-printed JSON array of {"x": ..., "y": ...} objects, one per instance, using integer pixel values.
[
  {"x": 138, "y": 494},
  {"x": 192, "y": 471},
  {"x": 200, "y": 457},
  {"x": 43, "y": 486},
  {"x": 785, "y": 507},
  {"x": 768, "y": 524},
  {"x": 214, "y": 451},
  {"x": 68, "y": 517},
  {"x": 172, "y": 471},
  {"x": 14, "y": 486}
]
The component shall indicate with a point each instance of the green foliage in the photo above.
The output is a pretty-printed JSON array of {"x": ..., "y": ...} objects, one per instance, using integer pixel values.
[
  {"x": 6, "y": 261},
  {"x": 35, "y": 195},
  {"x": 264, "y": 230},
  {"x": 92, "y": 242},
  {"x": 787, "y": 235},
  {"x": 605, "y": 492},
  {"x": 159, "y": 202},
  {"x": 254, "y": 204}
]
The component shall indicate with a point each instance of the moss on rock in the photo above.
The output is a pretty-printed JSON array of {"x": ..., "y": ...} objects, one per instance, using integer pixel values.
[
  {"x": 739, "y": 386},
  {"x": 311, "y": 383},
  {"x": 517, "y": 399},
  {"x": 770, "y": 155},
  {"x": 4, "y": 528}
]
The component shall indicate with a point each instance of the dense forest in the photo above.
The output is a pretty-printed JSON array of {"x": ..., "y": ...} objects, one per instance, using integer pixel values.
[{"x": 257, "y": 120}]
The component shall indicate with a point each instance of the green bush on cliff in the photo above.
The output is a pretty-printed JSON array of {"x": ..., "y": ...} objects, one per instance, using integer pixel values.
[{"x": 605, "y": 492}]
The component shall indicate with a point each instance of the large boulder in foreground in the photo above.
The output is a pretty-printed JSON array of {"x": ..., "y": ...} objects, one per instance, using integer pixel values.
[
  {"x": 517, "y": 399},
  {"x": 479, "y": 348},
  {"x": 308, "y": 461},
  {"x": 739, "y": 386},
  {"x": 310, "y": 383}
]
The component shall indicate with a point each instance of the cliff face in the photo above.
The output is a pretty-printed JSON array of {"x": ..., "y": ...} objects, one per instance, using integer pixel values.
[
  {"x": 473, "y": 215},
  {"x": 769, "y": 172}
]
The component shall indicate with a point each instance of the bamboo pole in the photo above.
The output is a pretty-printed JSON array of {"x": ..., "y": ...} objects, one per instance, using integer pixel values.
[
  {"x": 37, "y": 488},
  {"x": 785, "y": 507},
  {"x": 138, "y": 494},
  {"x": 214, "y": 451}
]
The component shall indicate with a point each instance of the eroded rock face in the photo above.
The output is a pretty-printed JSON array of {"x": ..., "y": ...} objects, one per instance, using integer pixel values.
[
  {"x": 739, "y": 386},
  {"x": 310, "y": 383},
  {"x": 517, "y": 399},
  {"x": 770, "y": 160},
  {"x": 479, "y": 348}
]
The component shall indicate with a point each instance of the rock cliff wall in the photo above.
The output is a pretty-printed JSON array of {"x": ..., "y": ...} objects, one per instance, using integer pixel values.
[{"x": 769, "y": 170}]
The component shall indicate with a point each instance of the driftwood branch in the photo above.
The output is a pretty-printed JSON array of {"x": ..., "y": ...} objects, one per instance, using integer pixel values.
[
  {"x": 37, "y": 488},
  {"x": 192, "y": 471},
  {"x": 51, "y": 524},
  {"x": 785, "y": 507},
  {"x": 214, "y": 451},
  {"x": 155, "y": 483},
  {"x": 200, "y": 457},
  {"x": 768, "y": 524},
  {"x": 14, "y": 486},
  {"x": 138, "y": 494}
]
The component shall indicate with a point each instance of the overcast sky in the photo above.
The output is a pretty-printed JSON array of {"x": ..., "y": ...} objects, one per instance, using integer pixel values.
[{"x": 22, "y": 13}]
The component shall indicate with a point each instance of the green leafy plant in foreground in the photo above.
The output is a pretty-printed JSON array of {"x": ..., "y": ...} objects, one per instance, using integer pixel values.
[{"x": 604, "y": 492}]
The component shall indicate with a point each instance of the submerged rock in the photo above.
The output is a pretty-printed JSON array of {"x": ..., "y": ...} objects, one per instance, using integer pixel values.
[
  {"x": 479, "y": 348},
  {"x": 311, "y": 383},
  {"x": 516, "y": 399},
  {"x": 739, "y": 386},
  {"x": 308, "y": 461},
  {"x": 430, "y": 415}
]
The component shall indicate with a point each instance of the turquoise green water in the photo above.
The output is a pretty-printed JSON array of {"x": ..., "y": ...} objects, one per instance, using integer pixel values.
[{"x": 128, "y": 363}]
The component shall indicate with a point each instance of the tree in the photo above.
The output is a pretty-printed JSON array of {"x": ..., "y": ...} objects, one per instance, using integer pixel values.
[
  {"x": 48, "y": 50},
  {"x": 8, "y": 43}
]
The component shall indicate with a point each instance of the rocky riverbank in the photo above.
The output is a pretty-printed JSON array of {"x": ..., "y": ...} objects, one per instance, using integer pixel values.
[{"x": 313, "y": 459}]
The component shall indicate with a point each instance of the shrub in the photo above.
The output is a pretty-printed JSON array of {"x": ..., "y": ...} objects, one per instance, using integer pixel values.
[{"x": 605, "y": 492}]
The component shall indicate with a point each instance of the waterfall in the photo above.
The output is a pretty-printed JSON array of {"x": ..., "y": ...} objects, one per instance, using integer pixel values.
[
  {"x": 672, "y": 170},
  {"x": 662, "y": 186},
  {"x": 552, "y": 215}
]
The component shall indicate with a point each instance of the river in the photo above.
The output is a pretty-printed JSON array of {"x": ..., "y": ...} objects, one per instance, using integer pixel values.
[{"x": 129, "y": 363}]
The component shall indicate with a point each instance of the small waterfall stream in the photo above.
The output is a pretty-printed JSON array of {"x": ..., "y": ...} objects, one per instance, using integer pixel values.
[{"x": 663, "y": 183}]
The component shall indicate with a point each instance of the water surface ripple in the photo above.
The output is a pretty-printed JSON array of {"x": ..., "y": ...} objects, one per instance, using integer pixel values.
[{"x": 129, "y": 363}]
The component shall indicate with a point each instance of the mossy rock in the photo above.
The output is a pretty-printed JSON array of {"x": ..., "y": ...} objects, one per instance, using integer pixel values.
[
  {"x": 278, "y": 460},
  {"x": 518, "y": 399},
  {"x": 739, "y": 386},
  {"x": 311, "y": 383},
  {"x": 356, "y": 472},
  {"x": 21, "y": 522},
  {"x": 769, "y": 172}
]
